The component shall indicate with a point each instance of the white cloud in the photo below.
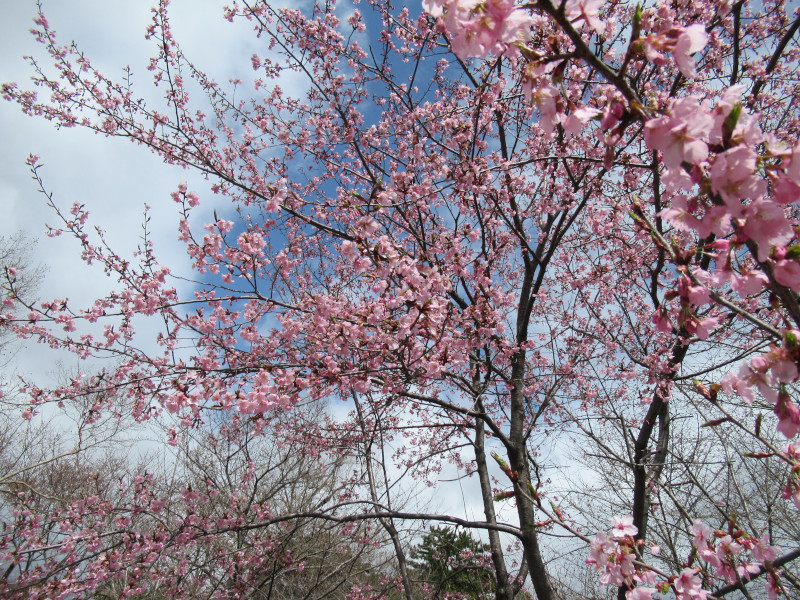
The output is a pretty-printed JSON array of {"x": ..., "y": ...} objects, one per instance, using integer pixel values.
[{"x": 112, "y": 177}]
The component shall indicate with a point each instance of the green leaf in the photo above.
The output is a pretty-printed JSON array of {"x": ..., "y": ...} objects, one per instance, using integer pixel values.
[
  {"x": 729, "y": 124},
  {"x": 793, "y": 252},
  {"x": 504, "y": 495},
  {"x": 637, "y": 23}
]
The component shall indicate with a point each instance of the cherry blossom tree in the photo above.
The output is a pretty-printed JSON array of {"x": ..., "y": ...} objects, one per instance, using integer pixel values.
[
  {"x": 80, "y": 512},
  {"x": 453, "y": 562},
  {"x": 486, "y": 230}
]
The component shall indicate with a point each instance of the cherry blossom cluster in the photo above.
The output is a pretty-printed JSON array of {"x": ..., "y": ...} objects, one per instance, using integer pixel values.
[
  {"x": 479, "y": 27},
  {"x": 681, "y": 42},
  {"x": 727, "y": 556},
  {"x": 718, "y": 185},
  {"x": 766, "y": 372},
  {"x": 617, "y": 558},
  {"x": 715, "y": 180},
  {"x": 733, "y": 556}
]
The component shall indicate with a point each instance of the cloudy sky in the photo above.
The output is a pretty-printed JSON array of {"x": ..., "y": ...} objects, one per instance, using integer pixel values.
[{"x": 112, "y": 177}]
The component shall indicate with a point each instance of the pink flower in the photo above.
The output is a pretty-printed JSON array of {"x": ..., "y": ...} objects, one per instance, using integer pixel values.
[
  {"x": 733, "y": 176},
  {"x": 792, "y": 451},
  {"x": 625, "y": 561},
  {"x": 661, "y": 320},
  {"x": 479, "y": 28},
  {"x": 784, "y": 370},
  {"x": 791, "y": 165},
  {"x": 788, "y": 416},
  {"x": 640, "y": 593},
  {"x": 706, "y": 326},
  {"x": 792, "y": 487},
  {"x": 702, "y": 533},
  {"x": 792, "y": 490},
  {"x": 575, "y": 122},
  {"x": 767, "y": 225},
  {"x": 681, "y": 41},
  {"x": 696, "y": 294},
  {"x": 755, "y": 374},
  {"x": 687, "y": 585},
  {"x": 762, "y": 551},
  {"x": 680, "y": 135},
  {"x": 654, "y": 45},
  {"x": 717, "y": 220},
  {"x": 749, "y": 283},
  {"x": 600, "y": 548},
  {"x": 746, "y": 132},
  {"x": 623, "y": 526},
  {"x": 727, "y": 547},
  {"x": 787, "y": 272},
  {"x": 680, "y": 214},
  {"x": 784, "y": 189},
  {"x": 434, "y": 8},
  {"x": 547, "y": 99},
  {"x": 773, "y": 586},
  {"x": 710, "y": 556},
  {"x": 675, "y": 180},
  {"x": 690, "y": 40},
  {"x": 586, "y": 10}
]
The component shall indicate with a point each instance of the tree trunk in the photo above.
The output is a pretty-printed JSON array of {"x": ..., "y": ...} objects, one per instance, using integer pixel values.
[
  {"x": 503, "y": 588},
  {"x": 518, "y": 460}
]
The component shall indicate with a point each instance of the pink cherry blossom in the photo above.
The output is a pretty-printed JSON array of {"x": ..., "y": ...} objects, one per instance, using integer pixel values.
[
  {"x": 763, "y": 551},
  {"x": 540, "y": 246},
  {"x": 682, "y": 42},
  {"x": 706, "y": 326},
  {"x": 575, "y": 122},
  {"x": 434, "y": 7},
  {"x": 587, "y": 11},
  {"x": 681, "y": 134},
  {"x": 767, "y": 225},
  {"x": 681, "y": 215},
  {"x": 640, "y": 593},
  {"x": 791, "y": 491},
  {"x": 702, "y": 534},
  {"x": 733, "y": 176},
  {"x": 788, "y": 416},
  {"x": 748, "y": 283},
  {"x": 787, "y": 272},
  {"x": 688, "y": 586},
  {"x": 690, "y": 40},
  {"x": 600, "y": 548},
  {"x": 784, "y": 189},
  {"x": 480, "y": 27},
  {"x": 790, "y": 165},
  {"x": 623, "y": 526}
]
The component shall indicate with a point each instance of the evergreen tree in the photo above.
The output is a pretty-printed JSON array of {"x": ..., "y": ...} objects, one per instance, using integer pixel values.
[{"x": 452, "y": 562}]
